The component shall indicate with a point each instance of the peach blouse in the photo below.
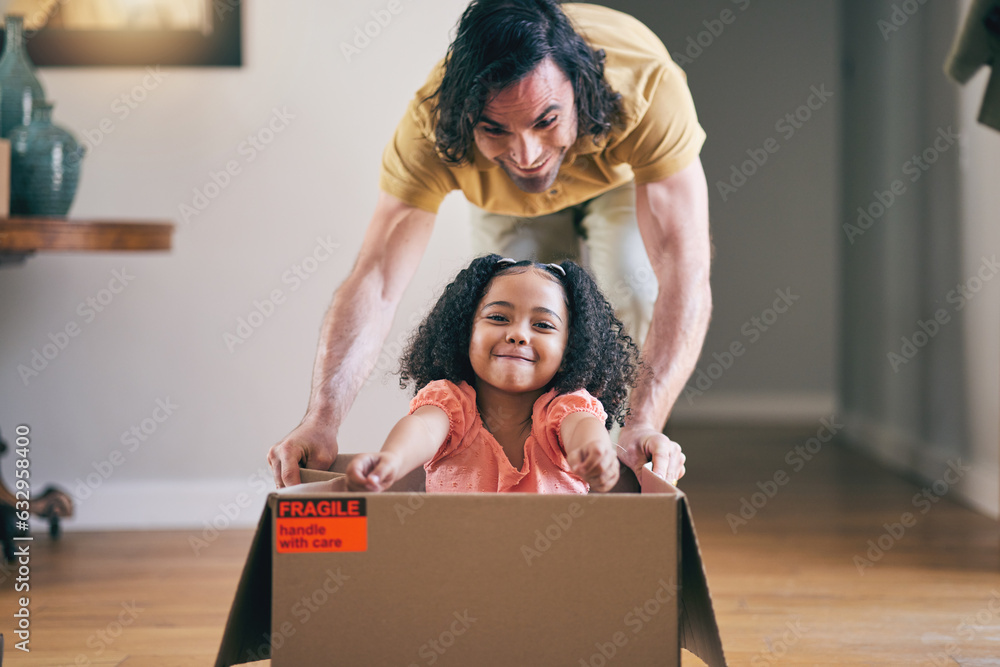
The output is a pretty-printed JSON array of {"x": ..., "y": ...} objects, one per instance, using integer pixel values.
[{"x": 472, "y": 461}]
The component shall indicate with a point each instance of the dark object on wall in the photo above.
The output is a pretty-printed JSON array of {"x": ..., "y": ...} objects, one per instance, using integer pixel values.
[
  {"x": 20, "y": 87},
  {"x": 218, "y": 46},
  {"x": 45, "y": 166},
  {"x": 978, "y": 44}
]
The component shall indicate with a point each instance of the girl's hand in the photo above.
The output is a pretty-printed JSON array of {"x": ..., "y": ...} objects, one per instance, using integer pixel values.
[
  {"x": 597, "y": 463},
  {"x": 372, "y": 472}
]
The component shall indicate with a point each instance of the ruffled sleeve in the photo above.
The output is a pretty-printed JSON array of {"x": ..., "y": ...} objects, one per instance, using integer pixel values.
[
  {"x": 549, "y": 416},
  {"x": 459, "y": 403}
]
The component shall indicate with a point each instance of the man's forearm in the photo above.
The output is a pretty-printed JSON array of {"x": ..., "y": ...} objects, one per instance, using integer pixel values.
[
  {"x": 680, "y": 321},
  {"x": 354, "y": 329},
  {"x": 673, "y": 220},
  {"x": 358, "y": 321}
]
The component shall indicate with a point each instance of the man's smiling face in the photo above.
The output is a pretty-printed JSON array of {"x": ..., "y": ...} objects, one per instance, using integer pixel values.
[{"x": 527, "y": 127}]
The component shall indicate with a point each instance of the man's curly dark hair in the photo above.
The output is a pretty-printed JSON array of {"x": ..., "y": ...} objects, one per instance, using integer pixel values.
[
  {"x": 599, "y": 357},
  {"x": 497, "y": 43}
]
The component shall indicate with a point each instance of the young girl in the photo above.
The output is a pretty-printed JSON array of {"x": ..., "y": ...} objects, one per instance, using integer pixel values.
[{"x": 519, "y": 370}]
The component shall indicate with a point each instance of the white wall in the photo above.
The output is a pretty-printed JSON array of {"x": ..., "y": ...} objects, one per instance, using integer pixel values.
[
  {"x": 161, "y": 338},
  {"x": 747, "y": 70},
  {"x": 980, "y": 171},
  {"x": 921, "y": 411}
]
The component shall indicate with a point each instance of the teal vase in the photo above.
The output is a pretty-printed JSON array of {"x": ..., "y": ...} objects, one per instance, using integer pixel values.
[
  {"x": 44, "y": 166},
  {"x": 19, "y": 87}
]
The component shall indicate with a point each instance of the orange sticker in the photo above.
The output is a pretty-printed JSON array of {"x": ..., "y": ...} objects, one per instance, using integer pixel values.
[{"x": 321, "y": 525}]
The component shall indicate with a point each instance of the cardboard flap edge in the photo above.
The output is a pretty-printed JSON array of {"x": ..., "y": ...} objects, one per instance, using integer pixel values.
[
  {"x": 699, "y": 631},
  {"x": 249, "y": 619}
]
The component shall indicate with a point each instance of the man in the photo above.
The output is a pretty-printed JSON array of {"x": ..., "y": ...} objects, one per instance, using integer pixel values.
[{"x": 556, "y": 122}]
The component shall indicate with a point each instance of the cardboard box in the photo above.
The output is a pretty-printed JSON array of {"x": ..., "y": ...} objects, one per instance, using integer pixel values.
[{"x": 411, "y": 579}]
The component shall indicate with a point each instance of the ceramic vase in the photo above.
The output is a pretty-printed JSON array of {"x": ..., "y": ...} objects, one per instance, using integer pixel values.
[
  {"x": 45, "y": 166},
  {"x": 19, "y": 87}
]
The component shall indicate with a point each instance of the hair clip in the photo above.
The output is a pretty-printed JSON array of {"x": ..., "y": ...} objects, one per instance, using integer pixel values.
[
  {"x": 556, "y": 267},
  {"x": 505, "y": 261}
]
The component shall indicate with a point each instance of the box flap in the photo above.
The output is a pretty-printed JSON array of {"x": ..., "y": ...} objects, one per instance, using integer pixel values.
[
  {"x": 249, "y": 624},
  {"x": 414, "y": 481},
  {"x": 317, "y": 481},
  {"x": 652, "y": 483},
  {"x": 308, "y": 476},
  {"x": 699, "y": 631}
]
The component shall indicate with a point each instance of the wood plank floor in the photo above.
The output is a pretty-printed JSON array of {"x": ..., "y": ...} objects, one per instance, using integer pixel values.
[{"x": 786, "y": 585}]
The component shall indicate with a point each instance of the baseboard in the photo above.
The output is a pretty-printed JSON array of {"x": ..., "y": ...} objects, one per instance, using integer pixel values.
[
  {"x": 205, "y": 507},
  {"x": 786, "y": 409},
  {"x": 978, "y": 488}
]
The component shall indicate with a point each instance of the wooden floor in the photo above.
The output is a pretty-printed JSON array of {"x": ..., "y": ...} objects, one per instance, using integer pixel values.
[{"x": 786, "y": 586}]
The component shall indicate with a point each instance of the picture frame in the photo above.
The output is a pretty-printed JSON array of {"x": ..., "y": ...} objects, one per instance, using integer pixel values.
[{"x": 221, "y": 46}]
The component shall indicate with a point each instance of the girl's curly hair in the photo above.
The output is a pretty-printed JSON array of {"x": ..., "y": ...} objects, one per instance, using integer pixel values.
[
  {"x": 497, "y": 43},
  {"x": 599, "y": 357}
]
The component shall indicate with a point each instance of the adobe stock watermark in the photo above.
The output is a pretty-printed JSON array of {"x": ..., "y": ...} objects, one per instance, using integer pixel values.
[
  {"x": 101, "y": 640},
  {"x": 404, "y": 510},
  {"x": 787, "y": 126},
  {"x": 959, "y": 298},
  {"x": 703, "y": 379},
  {"x": 914, "y": 168},
  {"x": 641, "y": 280},
  {"x": 303, "y": 610},
  {"x": 294, "y": 276},
  {"x": 131, "y": 441},
  {"x": 796, "y": 458},
  {"x": 695, "y": 45},
  {"x": 922, "y": 501},
  {"x": 435, "y": 647},
  {"x": 260, "y": 482},
  {"x": 550, "y": 534},
  {"x": 778, "y": 648},
  {"x": 967, "y": 629},
  {"x": 248, "y": 150},
  {"x": 901, "y": 13},
  {"x": 121, "y": 107},
  {"x": 87, "y": 311},
  {"x": 364, "y": 34},
  {"x": 391, "y": 351},
  {"x": 40, "y": 17},
  {"x": 635, "y": 620}
]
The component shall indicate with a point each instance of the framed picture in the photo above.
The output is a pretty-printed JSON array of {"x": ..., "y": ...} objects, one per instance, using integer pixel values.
[{"x": 131, "y": 33}]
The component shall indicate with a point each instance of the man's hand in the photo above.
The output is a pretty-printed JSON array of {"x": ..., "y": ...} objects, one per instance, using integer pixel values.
[
  {"x": 641, "y": 444},
  {"x": 373, "y": 472},
  {"x": 596, "y": 463},
  {"x": 310, "y": 445}
]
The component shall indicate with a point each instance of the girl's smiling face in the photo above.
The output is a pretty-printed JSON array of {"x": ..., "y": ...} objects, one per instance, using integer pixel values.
[{"x": 519, "y": 331}]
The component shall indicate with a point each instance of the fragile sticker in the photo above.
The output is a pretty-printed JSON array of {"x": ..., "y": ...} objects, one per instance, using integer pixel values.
[{"x": 321, "y": 525}]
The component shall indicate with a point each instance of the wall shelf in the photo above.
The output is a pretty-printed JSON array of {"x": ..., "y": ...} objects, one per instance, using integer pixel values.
[{"x": 23, "y": 236}]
